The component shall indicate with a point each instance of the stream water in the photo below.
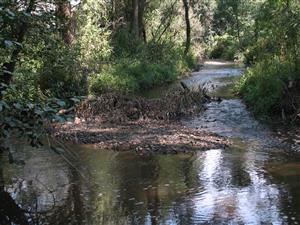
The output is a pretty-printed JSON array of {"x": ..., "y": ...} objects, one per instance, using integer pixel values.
[{"x": 256, "y": 181}]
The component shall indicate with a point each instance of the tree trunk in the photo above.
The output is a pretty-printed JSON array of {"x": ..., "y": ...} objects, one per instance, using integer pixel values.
[
  {"x": 135, "y": 18},
  {"x": 188, "y": 27},
  {"x": 237, "y": 22},
  {"x": 64, "y": 11},
  {"x": 142, "y": 30}
]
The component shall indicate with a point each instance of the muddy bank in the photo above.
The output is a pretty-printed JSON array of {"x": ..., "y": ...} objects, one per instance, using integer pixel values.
[{"x": 123, "y": 123}]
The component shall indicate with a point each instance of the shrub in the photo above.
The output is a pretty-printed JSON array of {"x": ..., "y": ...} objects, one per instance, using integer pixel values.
[
  {"x": 191, "y": 61},
  {"x": 61, "y": 75},
  {"x": 48, "y": 70},
  {"x": 259, "y": 50},
  {"x": 262, "y": 86},
  {"x": 155, "y": 65},
  {"x": 109, "y": 80},
  {"x": 224, "y": 47},
  {"x": 125, "y": 44},
  {"x": 131, "y": 77}
]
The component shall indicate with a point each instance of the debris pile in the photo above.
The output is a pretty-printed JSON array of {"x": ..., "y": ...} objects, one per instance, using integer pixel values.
[
  {"x": 116, "y": 107},
  {"x": 126, "y": 123}
]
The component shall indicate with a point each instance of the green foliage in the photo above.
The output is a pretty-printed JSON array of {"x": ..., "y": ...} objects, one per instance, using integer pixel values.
[
  {"x": 138, "y": 66},
  {"x": 190, "y": 61},
  {"x": 258, "y": 51},
  {"x": 224, "y": 47},
  {"x": 274, "y": 53},
  {"x": 110, "y": 79},
  {"x": 125, "y": 44},
  {"x": 107, "y": 54},
  {"x": 26, "y": 119},
  {"x": 94, "y": 35},
  {"x": 118, "y": 60},
  {"x": 262, "y": 86},
  {"x": 234, "y": 28},
  {"x": 61, "y": 75},
  {"x": 136, "y": 75}
]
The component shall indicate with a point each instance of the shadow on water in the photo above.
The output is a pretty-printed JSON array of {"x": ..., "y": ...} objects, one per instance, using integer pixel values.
[{"x": 253, "y": 182}]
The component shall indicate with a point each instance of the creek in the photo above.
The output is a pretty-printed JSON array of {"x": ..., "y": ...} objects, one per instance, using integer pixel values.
[{"x": 255, "y": 181}]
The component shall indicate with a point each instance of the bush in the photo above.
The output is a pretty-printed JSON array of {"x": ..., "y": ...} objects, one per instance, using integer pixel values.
[
  {"x": 109, "y": 80},
  {"x": 155, "y": 65},
  {"x": 262, "y": 86},
  {"x": 48, "y": 70},
  {"x": 224, "y": 47},
  {"x": 259, "y": 50},
  {"x": 61, "y": 75},
  {"x": 131, "y": 77},
  {"x": 125, "y": 44}
]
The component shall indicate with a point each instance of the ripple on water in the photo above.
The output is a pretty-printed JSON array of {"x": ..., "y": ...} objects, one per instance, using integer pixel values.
[{"x": 230, "y": 118}]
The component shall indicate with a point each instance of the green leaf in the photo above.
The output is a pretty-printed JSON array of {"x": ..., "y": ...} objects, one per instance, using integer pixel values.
[
  {"x": 3, "y": 105},
  {"x": 38, "y": 112},
  {"x": 26, "y": 14},
  {"x": 75, "y": 99},
  {"x": 8, "y": 44},
  {"x": 61, "y": 103},
  {"x": 30, "y": 105},
  {"x": 10, "y": 13},
  {"x": 49, "y": 109},
  {"x": 18, "y": 106},
  {"x": 18, "y": 44},
  {"x": 8, "y": 72},
  {"x": 11, "y": 123},
  {"x": 59, "y": 118}
]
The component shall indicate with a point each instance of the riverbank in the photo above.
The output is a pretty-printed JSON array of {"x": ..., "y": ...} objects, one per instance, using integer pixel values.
[{"x": 146, "y": 126}]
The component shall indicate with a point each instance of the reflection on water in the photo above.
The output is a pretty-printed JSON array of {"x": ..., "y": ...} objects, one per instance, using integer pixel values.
[
  {"x": 212, "y": 187},
  {"x": 251, "y": 183},
  {"x": 256, "y": 202}
]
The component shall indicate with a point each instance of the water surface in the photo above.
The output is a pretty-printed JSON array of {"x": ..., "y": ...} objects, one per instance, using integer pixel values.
[{"x": 254, "y": 182}]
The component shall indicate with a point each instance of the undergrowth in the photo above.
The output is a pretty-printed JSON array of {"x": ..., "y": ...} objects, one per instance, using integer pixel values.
[
  {"x": 264, "y": 86},
  {"x": 146, "y": 66}
]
